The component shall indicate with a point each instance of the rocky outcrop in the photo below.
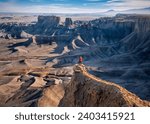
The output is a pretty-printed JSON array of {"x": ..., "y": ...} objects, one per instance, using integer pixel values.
[
  {"x": 12, "y": 29},
  {"x": 48, "y": 20},
  {"x": 141, "y": 22},
  {"x": 51, "y": 96},
  {"x": 86, "y": 90},
  {"x": 39, "y": 40},
  {"x": 28, "y": 90},
  {"x": 46, "y": 25},
  {"x": 25, "y": 35},
  {"x": 68, "y": 22}
]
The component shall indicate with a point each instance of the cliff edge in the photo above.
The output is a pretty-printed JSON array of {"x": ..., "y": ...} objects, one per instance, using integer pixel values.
[{"x": 86, "y": 90}]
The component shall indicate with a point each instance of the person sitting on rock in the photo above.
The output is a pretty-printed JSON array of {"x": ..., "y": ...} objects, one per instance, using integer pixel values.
[{"x": 80, "y": 60}]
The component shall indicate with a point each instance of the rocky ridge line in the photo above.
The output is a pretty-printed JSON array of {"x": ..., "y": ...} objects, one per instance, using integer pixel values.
[{"x": 86, "y": 90}]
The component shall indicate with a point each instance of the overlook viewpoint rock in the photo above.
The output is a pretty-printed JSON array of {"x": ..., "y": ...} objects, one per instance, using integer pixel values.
[{"x": 88, "y": 91}]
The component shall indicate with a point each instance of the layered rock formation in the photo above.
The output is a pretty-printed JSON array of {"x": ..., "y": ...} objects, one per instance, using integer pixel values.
[
  {"x": 51, "y": 20},
  {"x": 85, "y": 90},
  {"x": 46, "y": 25},
  {"x": 28, "y": 90},
  {"x": 113, "y": 48}
]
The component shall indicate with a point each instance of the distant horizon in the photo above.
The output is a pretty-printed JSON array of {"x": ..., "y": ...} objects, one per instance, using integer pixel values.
[
  {"x": 117, "y": 12},
  {"x": 70, "y": 6}
]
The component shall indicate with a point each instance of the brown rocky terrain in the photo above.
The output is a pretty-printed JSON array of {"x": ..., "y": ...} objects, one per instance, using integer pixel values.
[
  {"x": 86, "y": 90},
  {"x": 37, "y": 60}
]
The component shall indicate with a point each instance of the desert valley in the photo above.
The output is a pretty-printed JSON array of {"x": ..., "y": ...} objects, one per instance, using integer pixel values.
[{"x": 39, "y": 56}]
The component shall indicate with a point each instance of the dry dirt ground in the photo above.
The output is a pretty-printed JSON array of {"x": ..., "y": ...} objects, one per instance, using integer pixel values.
[{"x": 25, "y": 77}]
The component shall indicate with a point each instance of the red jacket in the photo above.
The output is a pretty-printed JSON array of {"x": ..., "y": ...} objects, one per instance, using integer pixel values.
[{"x": 80, "y": 59}]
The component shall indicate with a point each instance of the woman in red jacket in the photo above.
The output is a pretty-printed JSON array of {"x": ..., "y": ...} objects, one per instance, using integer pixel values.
[{"x": 80, "y": 60}]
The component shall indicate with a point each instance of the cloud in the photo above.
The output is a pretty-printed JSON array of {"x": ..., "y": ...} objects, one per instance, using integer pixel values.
[
  {"x": 36, "y": 1},
  {"x": 51, "y": 8},
  {"x": 127, "y": 4},
  {"x": 111, "y": 1},
  {"x": 93, "y": 0},
  {"x": 88, "y": 6}
]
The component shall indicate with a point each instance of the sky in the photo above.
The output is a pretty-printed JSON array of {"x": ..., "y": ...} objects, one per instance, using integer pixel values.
[{"x": 70, "y": 6}]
